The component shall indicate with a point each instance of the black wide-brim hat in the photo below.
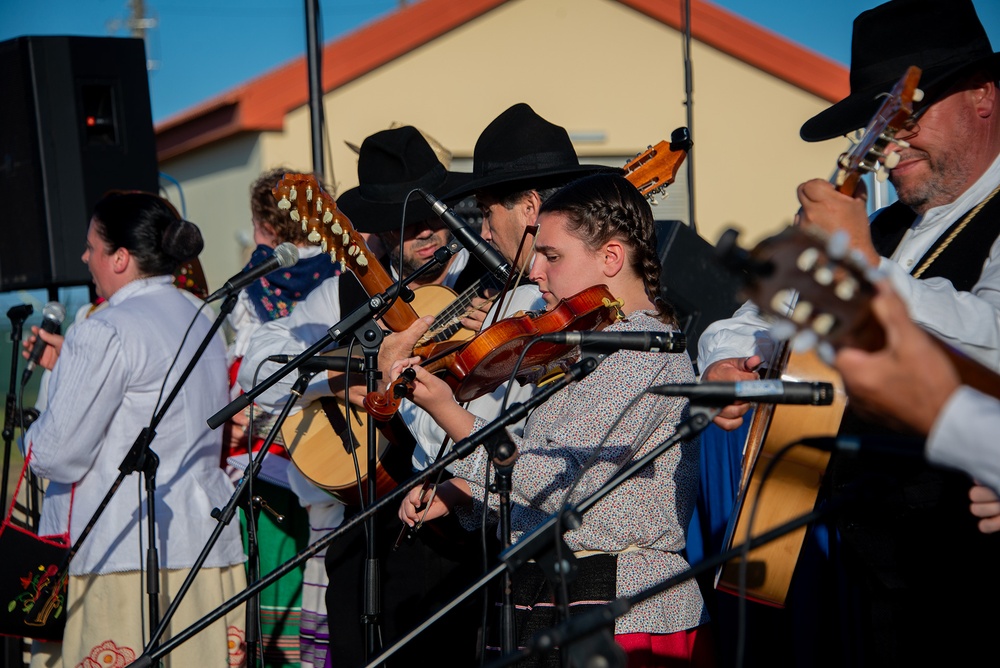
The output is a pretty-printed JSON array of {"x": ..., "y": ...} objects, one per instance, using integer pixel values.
[
  {"x": 391, "y": 163},
  {"x": 520, "y": 148},
  {"x": 944, "y": 39}
]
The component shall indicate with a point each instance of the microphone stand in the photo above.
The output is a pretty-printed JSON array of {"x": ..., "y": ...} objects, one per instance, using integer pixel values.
[
  {"x": 540, "y": 541},
  {"x": 12, "y": 416},
  {"x": 142, "y": 458},
  {"x": 224, "y": 517},
  {"x": 13, "y": 647},
  {"x": 463, "y": 448}
]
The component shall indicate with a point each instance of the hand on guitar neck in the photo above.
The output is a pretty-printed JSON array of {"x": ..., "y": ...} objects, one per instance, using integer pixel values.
[
  {"x": 829, "y": 210},
  {"x": 731, "y": 370}
]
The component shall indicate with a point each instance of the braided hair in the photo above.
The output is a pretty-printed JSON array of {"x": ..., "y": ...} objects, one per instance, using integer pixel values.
[{"x": 602, "y": 207}]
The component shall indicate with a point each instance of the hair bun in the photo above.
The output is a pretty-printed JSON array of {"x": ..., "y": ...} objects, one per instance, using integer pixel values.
[{"x": 182, "y": 240}]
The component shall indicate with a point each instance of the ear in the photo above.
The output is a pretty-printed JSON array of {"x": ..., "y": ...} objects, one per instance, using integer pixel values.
[
  {"x": 121, "y": 259},
  {"x": 614, "y": 257},
  {"x": 984, "y": 96},
  {"x": 531, "y": 202}
]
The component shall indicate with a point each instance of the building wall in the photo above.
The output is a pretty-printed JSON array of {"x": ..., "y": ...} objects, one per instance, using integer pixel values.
[{"x": 612, "y": 76}]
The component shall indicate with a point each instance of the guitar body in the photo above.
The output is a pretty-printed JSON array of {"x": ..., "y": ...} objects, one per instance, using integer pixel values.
[
  {"x": 792, "y": 486},
  {"x": 319, "y": 444},
  {"x": 437, "y": 300}
]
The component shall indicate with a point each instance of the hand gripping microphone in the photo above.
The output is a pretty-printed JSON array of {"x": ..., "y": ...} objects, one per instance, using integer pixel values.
[
  {"x": 751, "y": 391},
  {"x": 599, "y": 342},
  {"x": 53, "y": 315},
  {"x": 476, "y": 245},
  {"x": 285, "y": 255}
]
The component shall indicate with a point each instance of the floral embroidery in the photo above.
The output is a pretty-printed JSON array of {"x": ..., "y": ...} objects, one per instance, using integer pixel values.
[
  {"x": 35, "y": 585},
  {"x": 108, "y": 655},
  {"x": 236, "y": 641}
]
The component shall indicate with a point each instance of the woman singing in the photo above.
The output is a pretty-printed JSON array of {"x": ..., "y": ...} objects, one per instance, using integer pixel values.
[{"x": 109, "y": 378}]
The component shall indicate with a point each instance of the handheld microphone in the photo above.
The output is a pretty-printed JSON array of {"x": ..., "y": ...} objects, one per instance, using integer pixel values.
[
  {"x": 752, "y": 391},
  {"x": 53, "y": 315},
  {"x": 285, "y": 255},
  {"x": 323, "y": 363},
  {"x": 476, "y": 245},
  {"x": 653, "y": 342}
]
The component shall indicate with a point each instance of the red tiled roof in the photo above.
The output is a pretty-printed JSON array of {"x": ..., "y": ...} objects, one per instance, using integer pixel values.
[{"x": 262, "y": 103}]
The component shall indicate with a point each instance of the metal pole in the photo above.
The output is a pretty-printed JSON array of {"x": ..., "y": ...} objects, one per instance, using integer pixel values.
[{"x": 314, "y": 59}]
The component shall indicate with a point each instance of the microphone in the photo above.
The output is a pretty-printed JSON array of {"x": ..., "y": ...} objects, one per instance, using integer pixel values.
[
  {"x": 476, "y": 245},
  {"x": 323, "y": 363},
  {"x": 755, "y": 391},
  {"x": 53, "y": 315},
  {"x": 653, "y": 342},
  {"x": 285, "y": 255}
]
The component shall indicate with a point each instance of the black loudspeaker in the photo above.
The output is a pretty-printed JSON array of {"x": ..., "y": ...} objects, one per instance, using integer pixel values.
[
  {"x": 699, "y": 287},
  {"x": 75, "y": 122}
]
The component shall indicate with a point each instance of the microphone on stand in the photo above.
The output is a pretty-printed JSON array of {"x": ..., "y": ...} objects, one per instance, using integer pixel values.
[
  {"x": 53, "y": 314},
  {"x": 868, "y": 444},
  {"x": 476, "y": 245},
  {"x": 653, "y": 342},
  {"x": 751, "y": 391},
  {"x": 323, "y": 363},
  {"x": 285, "y": 255}
]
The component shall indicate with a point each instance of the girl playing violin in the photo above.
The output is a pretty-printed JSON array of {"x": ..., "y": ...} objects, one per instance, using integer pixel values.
[{"x": 597, "y": 230}]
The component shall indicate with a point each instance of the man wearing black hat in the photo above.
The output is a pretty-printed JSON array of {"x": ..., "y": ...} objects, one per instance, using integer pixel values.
[
  {"x": 425, "y": 573},
  {"x": 911, "y": 550}
]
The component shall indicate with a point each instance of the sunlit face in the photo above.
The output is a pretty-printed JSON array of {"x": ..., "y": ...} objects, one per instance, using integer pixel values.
[
  {"x": 100, "y": 261},
  {"x": 421, "y": 241},
  {"x": 935, "y": 169},
  {"x": 564, "y": 265},
  {"x": 503, "y": 227}
]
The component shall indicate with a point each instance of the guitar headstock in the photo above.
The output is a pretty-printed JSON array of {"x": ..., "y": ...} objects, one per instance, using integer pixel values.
[
  {"x": 656, "y": 168},
  {"x": 307, "y": 203},
  {"x": 869, "y": 152},
  {"x": 831, "y": 288}
]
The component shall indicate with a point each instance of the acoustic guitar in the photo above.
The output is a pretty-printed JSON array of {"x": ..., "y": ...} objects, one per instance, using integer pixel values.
[
  {"x": 793, "y": 486},
  {"x": 320, "y": 438}
]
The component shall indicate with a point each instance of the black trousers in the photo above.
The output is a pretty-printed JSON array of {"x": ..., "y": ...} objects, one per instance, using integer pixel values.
[{"x": 416, "y": 580}]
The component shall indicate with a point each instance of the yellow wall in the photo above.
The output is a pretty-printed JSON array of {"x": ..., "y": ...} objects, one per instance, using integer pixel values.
[{"x": 595, "y": 67}]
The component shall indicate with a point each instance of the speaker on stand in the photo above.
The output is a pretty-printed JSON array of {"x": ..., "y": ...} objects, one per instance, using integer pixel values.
[{"x": 76, "y": 122}]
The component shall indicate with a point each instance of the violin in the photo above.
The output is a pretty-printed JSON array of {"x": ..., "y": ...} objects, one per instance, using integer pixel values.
[{"x": 479, "y": 366}]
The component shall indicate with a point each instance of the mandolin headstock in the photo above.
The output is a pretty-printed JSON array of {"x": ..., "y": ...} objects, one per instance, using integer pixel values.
[
  {"x": 307, "y": 203},
  {"x": 869, "y": 152},
  {"x": 656, "y": 168}
]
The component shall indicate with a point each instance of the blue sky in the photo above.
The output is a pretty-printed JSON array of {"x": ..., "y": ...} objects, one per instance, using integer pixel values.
[{"x": 203, "y": 47}]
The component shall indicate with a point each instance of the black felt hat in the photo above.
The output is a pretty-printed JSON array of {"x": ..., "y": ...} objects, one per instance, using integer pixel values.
[
  {"x": 391, "y": 163},
  {"x": 521, "y": 148},
  {"x": 944, "y": 39}
]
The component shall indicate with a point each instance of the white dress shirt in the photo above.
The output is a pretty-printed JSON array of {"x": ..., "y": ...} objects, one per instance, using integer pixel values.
[
  {"x": 965, "y": 436},
  {"x": 104, "y": 390}
]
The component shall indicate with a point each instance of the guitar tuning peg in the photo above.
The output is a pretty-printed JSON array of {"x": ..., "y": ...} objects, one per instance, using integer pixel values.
[
  {"x": 882, "y": 175},
  {"x": 804, "y": 341},
  {"x": 294, "y": 215},
  {"x": 284, "y": 204},
  {"x": 782, "y": 330},
  {"x": 826, "y": 352},
  {"x": 314, "y": 236},
  {"x": 293, "y": 194},
  {"x": 838, "y": 245},
  {"x": 327, "y": 216},
  {"x": 901, "y": 143},
  {"x": 918, "y": 94},
  {"x": 891, "y": 160},
  {"x": 309, "y": 193}
]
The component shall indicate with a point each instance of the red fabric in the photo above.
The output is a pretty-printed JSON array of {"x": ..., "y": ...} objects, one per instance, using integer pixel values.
[
  {"x": 684, "y": 648},
  {"x": 230, "y": 449}
]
